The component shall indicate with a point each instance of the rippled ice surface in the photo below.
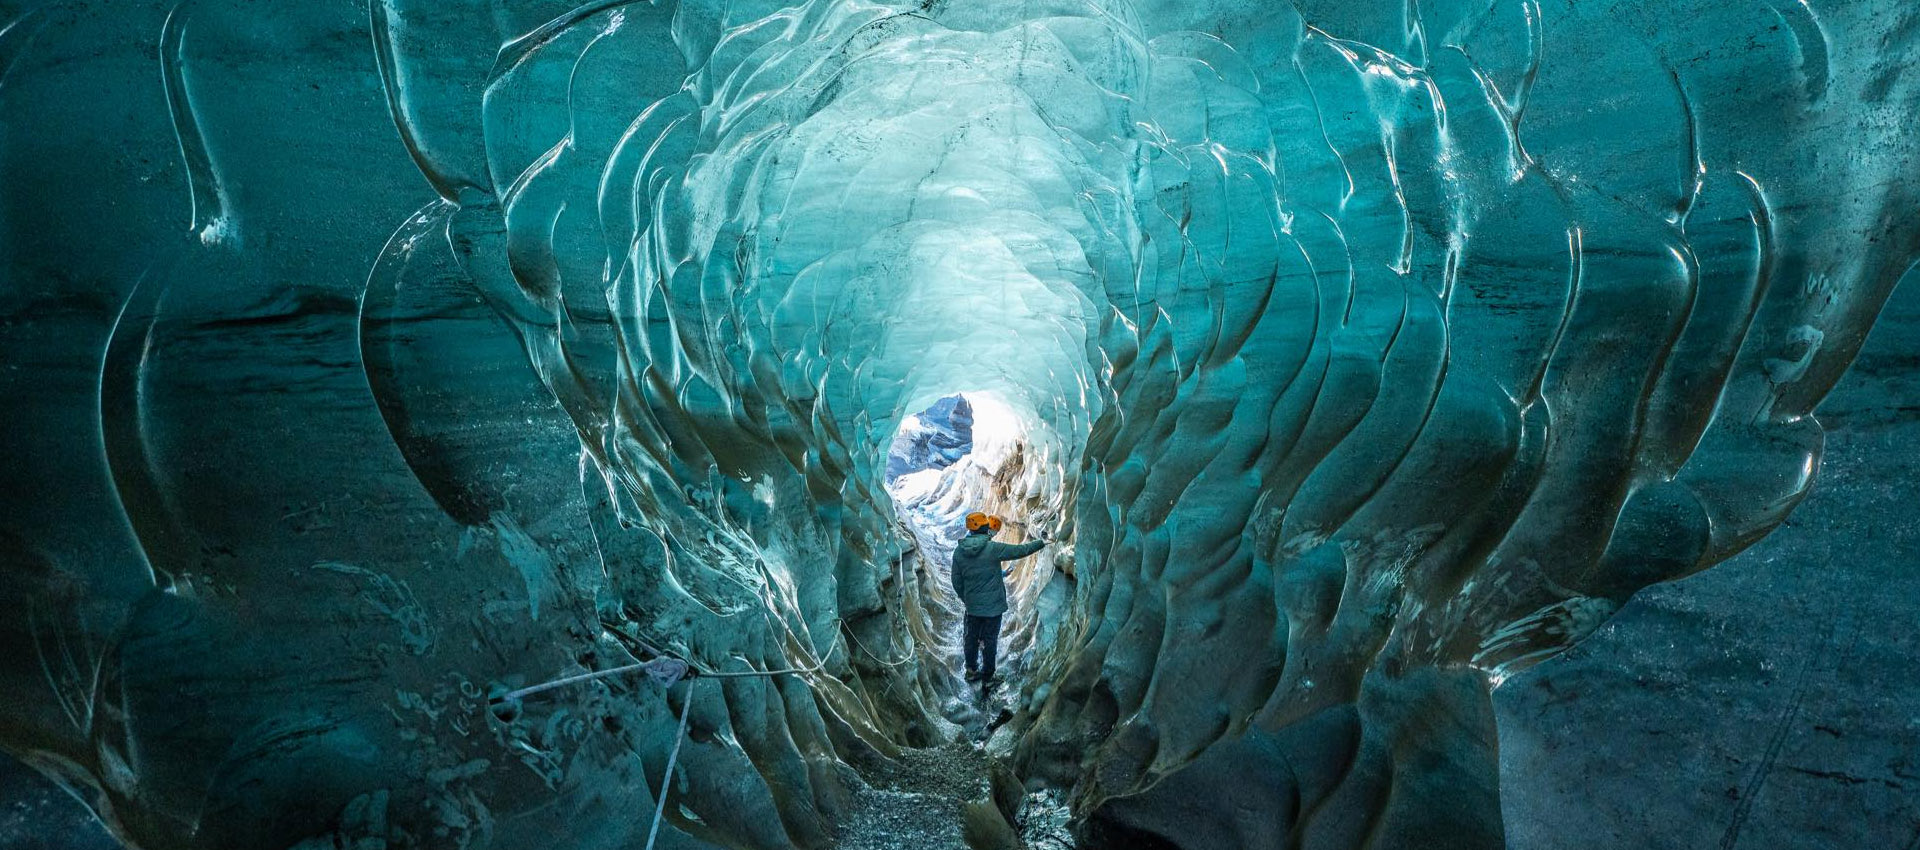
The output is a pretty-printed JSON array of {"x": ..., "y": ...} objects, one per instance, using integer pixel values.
[{"x": 363, "y": 360}]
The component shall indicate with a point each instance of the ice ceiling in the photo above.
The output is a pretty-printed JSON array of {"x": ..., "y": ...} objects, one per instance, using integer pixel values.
[{"x": 1365, "y": 353}]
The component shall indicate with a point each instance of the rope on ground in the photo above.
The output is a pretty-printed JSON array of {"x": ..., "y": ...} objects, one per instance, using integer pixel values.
[
  {"x": 665, "y": 669},
  {"x": 874, "y": 655},
  {"x": 748, "y": 674},
  {"x": 666, "y": 779}
]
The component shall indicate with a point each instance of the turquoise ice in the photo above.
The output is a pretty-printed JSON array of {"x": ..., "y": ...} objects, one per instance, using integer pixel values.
[{"x": 365, "y": 358}]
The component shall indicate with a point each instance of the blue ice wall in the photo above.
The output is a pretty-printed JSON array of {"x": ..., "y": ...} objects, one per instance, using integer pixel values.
[{"x": 366, "y": 359}]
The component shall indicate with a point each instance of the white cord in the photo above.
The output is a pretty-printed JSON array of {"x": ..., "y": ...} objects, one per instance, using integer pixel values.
[{"x": 666, "y": 780}]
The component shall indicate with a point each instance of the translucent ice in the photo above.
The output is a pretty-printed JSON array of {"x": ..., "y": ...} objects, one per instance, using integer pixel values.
[{"x": 1367, "y": 353}]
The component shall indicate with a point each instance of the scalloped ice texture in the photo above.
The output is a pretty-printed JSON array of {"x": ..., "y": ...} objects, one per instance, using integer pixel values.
[{"x": 1366, "y": 353}]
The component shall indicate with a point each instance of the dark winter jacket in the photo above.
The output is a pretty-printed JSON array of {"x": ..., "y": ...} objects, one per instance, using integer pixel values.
[{"x": 976, "y": 572}]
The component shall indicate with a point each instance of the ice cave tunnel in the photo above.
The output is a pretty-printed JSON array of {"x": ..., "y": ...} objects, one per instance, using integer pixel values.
[{"x": 545, "y": 423}]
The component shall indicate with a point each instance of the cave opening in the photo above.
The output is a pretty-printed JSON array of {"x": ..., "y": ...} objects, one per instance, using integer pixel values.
[{"x": 972, "y": 451}]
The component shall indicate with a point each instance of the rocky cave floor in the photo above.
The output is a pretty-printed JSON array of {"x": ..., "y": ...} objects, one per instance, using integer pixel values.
[{"x": 920, "y": 800}]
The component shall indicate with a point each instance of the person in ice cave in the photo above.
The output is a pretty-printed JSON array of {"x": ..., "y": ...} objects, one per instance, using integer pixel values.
[{"x": 980, "y": 582}]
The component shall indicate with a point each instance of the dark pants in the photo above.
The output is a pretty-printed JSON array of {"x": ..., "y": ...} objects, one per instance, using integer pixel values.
[{"x": 981, "y": 641}]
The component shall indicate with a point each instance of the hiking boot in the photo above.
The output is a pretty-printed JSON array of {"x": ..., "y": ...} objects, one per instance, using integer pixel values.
[{"x": 972, "y": 676}]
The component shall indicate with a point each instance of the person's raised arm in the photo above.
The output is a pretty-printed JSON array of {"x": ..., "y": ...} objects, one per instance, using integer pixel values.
[{"x": 1015, "y": 551}]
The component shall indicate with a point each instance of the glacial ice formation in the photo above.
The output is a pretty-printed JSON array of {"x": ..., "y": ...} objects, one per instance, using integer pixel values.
[
  {"x": 1361, "y": 354},
  {"x": 932, "y": 439}
]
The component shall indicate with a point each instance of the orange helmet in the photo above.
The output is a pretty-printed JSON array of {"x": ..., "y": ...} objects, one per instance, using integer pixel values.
[{"x": 977, "y": 521}]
